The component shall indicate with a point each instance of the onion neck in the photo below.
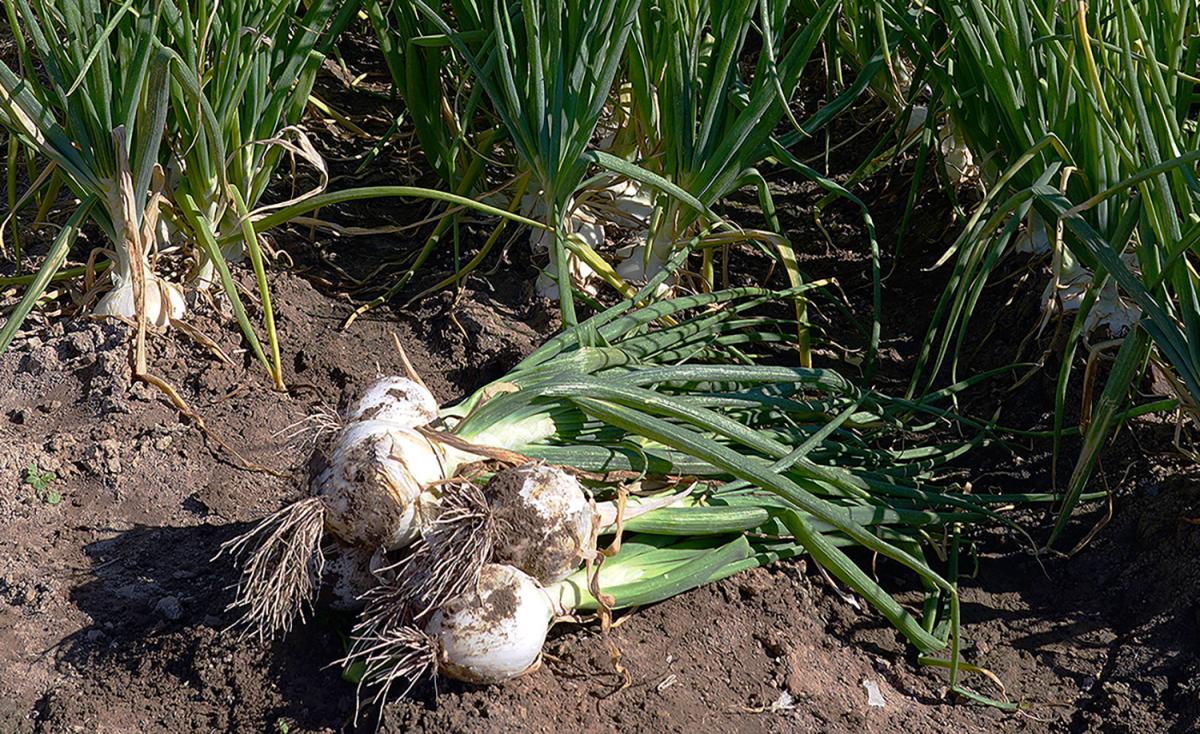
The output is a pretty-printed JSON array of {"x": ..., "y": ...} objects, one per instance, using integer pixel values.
[{"x": 512, "y": 435}]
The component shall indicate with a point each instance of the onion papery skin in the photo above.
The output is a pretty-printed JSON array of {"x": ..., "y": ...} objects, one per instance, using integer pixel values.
[
  {"x": 543, "y": 519},
  {"x": 495, "y": 631},
  {"x": 403, "y": 402},
  {"x": 164, "y": 301},
  {"x": 374, "y": 486}
]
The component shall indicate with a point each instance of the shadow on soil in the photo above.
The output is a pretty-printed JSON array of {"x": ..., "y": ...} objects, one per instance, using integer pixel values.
[{"x": 158, "y": 600}]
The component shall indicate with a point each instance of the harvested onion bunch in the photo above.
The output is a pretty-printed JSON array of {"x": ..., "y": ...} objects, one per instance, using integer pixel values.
[
  {"x": 798, "y": 456},
  {"x": 798, "y": 460}
]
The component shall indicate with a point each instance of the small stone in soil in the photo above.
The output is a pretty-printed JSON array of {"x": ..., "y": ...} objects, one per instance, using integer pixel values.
[{"x": 170, "y": 608}]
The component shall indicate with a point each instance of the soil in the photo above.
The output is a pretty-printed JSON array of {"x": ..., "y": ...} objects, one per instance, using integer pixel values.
[{"x": 113, "y": 597}]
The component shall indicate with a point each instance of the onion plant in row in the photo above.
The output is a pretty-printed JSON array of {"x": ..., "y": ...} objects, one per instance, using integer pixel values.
[
  {"x": 91, "y": 99},
  {"x": 243, "y": 73},
  {"x": 168, "y": 121},
  {"x": 1083, "y": 115},
  {"x": 443, "y": 107},
  {"x": 685, "y": 123},
  {"x": 706, "y": 120},
  {"x": 161, "y": 117},
  {"x": 547, "y": 69},
  {"x": 666, "y": 439}
]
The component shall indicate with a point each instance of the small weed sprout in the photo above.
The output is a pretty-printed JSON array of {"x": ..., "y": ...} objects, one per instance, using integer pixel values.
[{"x": 40, "y": 480}]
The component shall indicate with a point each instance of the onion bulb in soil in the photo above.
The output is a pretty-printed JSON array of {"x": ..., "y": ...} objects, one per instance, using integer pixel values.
[{"x": 163, "y": 301}]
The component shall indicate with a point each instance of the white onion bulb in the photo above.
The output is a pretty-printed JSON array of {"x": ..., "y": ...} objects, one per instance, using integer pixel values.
[
  {"x": 403, "y": 402},
  {"x": 544, "y": 520},
  {"x": 495, "y": 631},
  {"x": 374, "y": 487},
  {"x": 164, "y": 301}
]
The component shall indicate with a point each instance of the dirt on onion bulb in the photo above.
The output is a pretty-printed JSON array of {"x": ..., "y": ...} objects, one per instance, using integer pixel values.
[
  {"x": 534, "y": 517},
  {"x": 542, "y": 521},
  {"x": 495, "y": 632},
  {"x": 401, "y": 401},
  {"x": 349, "y": 575}
]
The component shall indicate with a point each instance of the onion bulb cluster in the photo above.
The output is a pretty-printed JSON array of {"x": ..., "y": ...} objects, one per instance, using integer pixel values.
[
  {"x": 376, "y": 489},
  {"x": 473, "y": 591},
  {"x": 468, "y": 597}
]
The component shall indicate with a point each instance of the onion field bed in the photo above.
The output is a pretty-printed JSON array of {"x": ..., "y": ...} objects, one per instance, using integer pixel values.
[
  {"x": 601, "y": 366},
  {"x": 113, "y": 613}
]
